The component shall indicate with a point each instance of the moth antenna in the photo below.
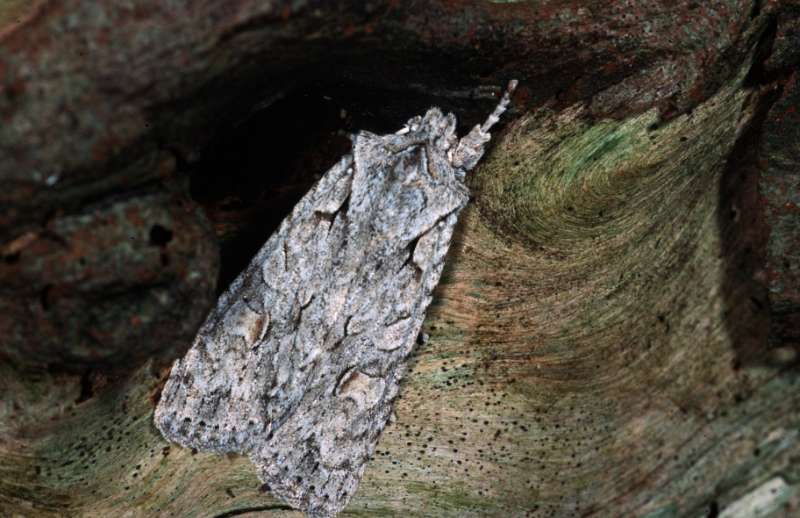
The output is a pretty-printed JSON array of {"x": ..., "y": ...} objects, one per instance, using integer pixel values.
[
  {"x": 501, "y": 107},
  {"x": 470, "y": 148}
]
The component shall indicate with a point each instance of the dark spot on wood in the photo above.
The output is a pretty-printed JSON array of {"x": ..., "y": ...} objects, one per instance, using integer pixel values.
[{"x": 160, "y": 235}]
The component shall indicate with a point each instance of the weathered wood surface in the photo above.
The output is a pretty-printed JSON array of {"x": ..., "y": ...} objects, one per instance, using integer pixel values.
[{"x": 616, "y": 331}]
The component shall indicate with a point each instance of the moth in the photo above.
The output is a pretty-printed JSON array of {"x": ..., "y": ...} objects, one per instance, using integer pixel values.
[{"x": 298, "y": 364}]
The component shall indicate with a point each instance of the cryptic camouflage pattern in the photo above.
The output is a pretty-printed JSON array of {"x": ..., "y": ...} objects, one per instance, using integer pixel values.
[{"x": 298, "y": 364}]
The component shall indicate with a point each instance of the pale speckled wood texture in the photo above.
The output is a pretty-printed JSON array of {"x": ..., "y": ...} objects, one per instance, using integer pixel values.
[{"x": 298, "y": 364}]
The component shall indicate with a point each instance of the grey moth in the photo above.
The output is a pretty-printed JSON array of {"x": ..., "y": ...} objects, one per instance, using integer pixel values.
[{"x": 299, "y": 362}]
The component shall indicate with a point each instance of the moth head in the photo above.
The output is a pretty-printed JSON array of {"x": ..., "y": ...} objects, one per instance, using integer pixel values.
[
  {"x": 434, "y": 127},
  {"x": 413, "y": 126}
]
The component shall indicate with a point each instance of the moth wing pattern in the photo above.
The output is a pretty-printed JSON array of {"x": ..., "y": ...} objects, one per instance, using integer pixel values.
[
  {"x": 210, "y": 393},
  {"x": 298, "y": 364}
]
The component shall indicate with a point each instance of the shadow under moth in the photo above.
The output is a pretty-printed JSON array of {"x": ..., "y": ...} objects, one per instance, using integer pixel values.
[{"x": 298, "y": 364}]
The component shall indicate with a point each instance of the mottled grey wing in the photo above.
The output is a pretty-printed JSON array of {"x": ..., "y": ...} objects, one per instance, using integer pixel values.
[
  {"x": 387, "y": 253},
  {"x": 230, "y": 389}
]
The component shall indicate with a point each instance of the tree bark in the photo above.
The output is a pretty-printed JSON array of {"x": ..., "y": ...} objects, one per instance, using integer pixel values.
[{"x": 617, "y": 328}]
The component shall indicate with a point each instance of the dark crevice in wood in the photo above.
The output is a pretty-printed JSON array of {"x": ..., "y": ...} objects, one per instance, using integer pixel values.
[{"x": 257, "y": 509}]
